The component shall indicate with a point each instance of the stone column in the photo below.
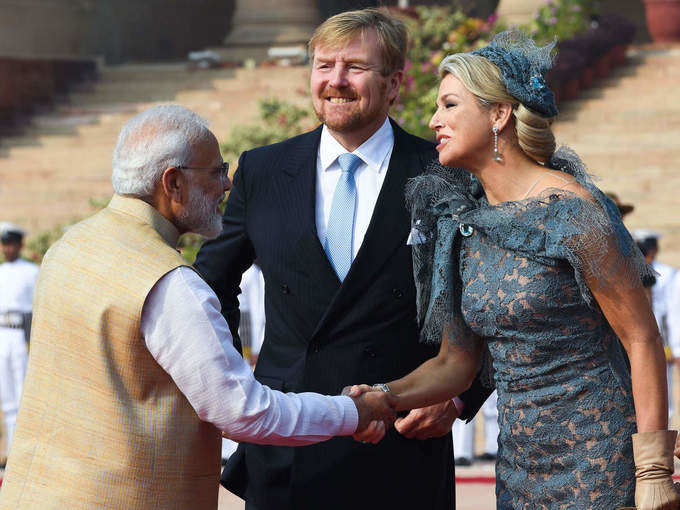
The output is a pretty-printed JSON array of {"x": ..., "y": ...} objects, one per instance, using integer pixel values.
[
  {"x": 46, "y": 29},
  {"x": 260, "y": 24}
]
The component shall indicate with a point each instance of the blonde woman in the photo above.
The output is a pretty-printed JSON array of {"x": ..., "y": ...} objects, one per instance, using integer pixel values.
[{"x": 520, "y": 259}]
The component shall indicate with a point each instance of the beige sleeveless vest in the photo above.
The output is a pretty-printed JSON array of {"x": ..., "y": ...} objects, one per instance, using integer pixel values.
[{"x": 101, "y": 425}]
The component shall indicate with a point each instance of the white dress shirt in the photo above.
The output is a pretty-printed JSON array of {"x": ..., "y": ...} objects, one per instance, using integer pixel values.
[
  {"x": 17, "y": 284},
  {"x": 369, "y": 177},
  {"x": 187, "y": 335}
]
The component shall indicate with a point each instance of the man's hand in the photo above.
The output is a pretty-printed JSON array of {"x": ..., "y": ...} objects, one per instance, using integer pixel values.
[
  {"x": 372, "y": 434},
  {"x": 374, "y": 406},
  {"x": 427, "y": 422},
  {"x": 424, "y": 423},
  {"x": 372, "y": 425}
]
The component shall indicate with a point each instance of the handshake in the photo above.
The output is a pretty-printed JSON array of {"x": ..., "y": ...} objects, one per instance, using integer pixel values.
[{"x": 376, "y": 407}]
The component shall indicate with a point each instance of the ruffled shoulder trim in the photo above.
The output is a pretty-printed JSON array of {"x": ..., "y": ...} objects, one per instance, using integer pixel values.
[
  {"x": 436, "y": 199},
  {"x": 558, "y": 225}
]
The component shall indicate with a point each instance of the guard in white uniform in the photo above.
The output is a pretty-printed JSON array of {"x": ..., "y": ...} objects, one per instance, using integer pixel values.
[
  {"x": 673, "y": 317},
  {"x": 17, "y": 282},
  {"x": 464, "y": 435},
  {"x": 662, "y": 296}
]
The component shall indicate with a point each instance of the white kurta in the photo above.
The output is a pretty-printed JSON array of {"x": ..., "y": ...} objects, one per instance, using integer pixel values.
[
  {"x": 17, "y": 284},
  {"x": 189, "y": 338}
]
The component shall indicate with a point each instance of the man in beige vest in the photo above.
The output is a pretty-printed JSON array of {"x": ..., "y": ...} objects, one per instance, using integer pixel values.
[{"x": 132, "y": 373}]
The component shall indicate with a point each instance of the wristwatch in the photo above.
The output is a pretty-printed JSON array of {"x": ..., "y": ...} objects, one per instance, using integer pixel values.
[{"x": 382, "y": 387}]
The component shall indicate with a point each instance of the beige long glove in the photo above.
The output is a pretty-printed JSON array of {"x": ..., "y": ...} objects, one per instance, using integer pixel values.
[{"x": 653, "y": 454}]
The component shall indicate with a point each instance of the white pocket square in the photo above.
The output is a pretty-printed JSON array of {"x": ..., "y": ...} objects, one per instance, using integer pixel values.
[{"x": 416, "y": 236}]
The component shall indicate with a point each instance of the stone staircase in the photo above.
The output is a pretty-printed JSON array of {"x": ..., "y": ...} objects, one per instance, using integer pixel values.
[
  {"x": 626, "y": 128},
  {"x": 51, "y": 169}
]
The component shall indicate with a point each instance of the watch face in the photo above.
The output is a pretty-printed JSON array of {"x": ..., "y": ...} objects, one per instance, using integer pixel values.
[{"x": 382, "y": 387}]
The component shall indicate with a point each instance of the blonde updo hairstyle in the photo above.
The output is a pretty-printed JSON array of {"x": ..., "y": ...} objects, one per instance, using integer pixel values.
[{"x": 483, "y": 79}]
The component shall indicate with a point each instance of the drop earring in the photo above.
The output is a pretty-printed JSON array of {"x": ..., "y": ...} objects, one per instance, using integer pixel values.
[{"x": 496, "y": 154}]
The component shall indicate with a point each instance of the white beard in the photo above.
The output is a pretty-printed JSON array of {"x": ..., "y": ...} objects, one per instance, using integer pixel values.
[{"x": 201, "y": 215}]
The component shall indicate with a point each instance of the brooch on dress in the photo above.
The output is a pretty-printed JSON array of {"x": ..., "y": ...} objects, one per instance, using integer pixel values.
[{"x": 465, "y": 230}]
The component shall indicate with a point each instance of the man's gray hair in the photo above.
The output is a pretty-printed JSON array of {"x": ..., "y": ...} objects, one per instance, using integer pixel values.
[{"x": 156, "y": 139}]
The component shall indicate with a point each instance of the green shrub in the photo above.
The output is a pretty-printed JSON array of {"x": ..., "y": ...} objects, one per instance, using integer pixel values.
[
  {"x": 188, "y": 245},
  {"x": 278, "y": 121},
  {"x": 562, "y": 19},
  {"x": 37, "y": 245}
]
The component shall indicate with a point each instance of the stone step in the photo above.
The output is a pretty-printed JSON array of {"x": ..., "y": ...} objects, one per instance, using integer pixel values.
[
  {"x": 60, "y": 160},
  {"x": 626, "y": 129}
]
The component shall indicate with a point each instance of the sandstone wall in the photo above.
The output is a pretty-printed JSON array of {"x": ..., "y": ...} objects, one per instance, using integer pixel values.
[{"x": 118, "y": 30}]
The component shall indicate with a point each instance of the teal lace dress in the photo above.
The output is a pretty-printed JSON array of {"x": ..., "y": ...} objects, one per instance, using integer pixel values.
[{"x": 517, "y": 277}]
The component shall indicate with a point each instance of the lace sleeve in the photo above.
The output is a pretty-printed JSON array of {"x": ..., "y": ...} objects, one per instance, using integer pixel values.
[{"x": 590, "y": 235}]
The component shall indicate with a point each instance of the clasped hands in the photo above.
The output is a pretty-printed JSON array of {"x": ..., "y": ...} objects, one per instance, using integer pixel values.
[{"x": 377, "y": 414}]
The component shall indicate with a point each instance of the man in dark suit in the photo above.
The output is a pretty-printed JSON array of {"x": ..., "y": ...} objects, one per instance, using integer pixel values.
[{"x": 329, "y": 229}]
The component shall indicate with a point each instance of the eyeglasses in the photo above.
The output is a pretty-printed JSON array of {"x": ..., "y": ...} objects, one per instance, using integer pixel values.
[{"x": 222, "y": 170}]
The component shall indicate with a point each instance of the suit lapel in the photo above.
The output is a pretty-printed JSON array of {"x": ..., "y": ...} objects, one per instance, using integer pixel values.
[
  {"x": 389, "y": 226},
  {"x": 299, "y": 188}
]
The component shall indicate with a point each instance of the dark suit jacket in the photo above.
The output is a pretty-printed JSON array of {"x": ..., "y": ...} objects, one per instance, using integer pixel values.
[{"x": 321, "y": 336}]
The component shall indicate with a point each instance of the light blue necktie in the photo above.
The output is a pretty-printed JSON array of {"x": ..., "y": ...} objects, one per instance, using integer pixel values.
[{"x": 341, "y": 221}]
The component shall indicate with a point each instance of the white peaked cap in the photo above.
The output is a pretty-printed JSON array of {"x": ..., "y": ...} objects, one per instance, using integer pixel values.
[
  {"x": 642, "y": 234},
  {"x": 10, "y": 228}
]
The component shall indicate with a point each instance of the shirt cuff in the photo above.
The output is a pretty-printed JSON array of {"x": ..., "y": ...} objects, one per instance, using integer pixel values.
[
  {"x": 351, "y": 415},
  {"x": 460, "y": 405}
]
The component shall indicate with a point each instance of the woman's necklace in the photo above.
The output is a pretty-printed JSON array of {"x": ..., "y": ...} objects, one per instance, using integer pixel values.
[{"x": 533, "y": 185}]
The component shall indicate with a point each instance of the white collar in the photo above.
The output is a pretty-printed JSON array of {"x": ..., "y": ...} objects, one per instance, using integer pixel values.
[{"x": 372, "y": 152}]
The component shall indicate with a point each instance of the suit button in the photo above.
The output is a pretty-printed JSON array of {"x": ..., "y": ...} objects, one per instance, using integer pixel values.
[
  {"x": 285, "y": 289},
  {"x": 369, "y": 352},
  {"x": 397, "y": 293}
]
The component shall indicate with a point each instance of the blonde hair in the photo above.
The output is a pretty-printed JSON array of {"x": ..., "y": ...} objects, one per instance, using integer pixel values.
[
  {"x": 483, "y": 79},
  {"x": 340, "y": 29}
]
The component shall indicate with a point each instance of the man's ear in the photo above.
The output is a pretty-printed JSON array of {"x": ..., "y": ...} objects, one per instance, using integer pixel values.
[
  {"x": 501, "y": 114},
  {"x": 174, "y": 185},
  {"x": 394, "y": 83}
]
